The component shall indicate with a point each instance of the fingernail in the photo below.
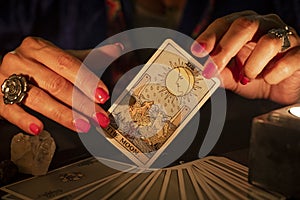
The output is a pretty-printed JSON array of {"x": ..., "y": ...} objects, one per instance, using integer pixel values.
[
  {"x": 35, "y": 129},
  {"x": 244, "y": 80},
  {"x": 101, "y": 95},
  {"x": 120, "y": 45},
  {"x": 209, "y": 70},
  {"x": 82, "y": 125},
  {"x": 101, "y": 119},
  {"x": 198, "y": 48}
]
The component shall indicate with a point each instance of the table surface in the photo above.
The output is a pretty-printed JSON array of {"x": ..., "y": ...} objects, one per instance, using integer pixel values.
[{"x": 233, "y": 143}]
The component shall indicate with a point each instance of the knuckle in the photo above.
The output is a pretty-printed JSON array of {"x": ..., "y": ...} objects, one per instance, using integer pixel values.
[
  {"x": 57, "y": 114},
  {"x": 57, "y": 85},
  {"x": 271, "y": 80},
  {"x": 65, "y": 60},
  {"x": 250, "y": 73},
  {"x": 233, "y": 16},
  {"x": 87, "y": 79},
  {"x": 221, "y": 20},
  {"x": 80, "y": 106},
  {"x": 29, "y": 42},
  {"x": 246, "y": 22},
  {"x": 33, "y": 43},
  {"x": 9, "y": 59},
  {"x": 221, "y": 63},
  {"x": 33, "y": 97},
  {"x": 222, "y": 57},
  {"x": 284, "y": 69},
  {"x": 87, "y": 82},
  {"x": 274, "y": 18},
  {"x": 250, "y": 12},
  {"x": 280, "y": 71},
  {"x": 83, "y": 102},
  {"x": 85, "y": 107}
]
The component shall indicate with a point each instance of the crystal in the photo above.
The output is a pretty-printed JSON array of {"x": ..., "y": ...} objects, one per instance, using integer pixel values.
[{"x": 33, "y": 154}]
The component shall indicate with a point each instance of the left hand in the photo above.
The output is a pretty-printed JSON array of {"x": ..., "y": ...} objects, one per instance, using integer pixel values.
[
  {"x": 53, "y": 80},
  {"x": 249, "y": 60}
]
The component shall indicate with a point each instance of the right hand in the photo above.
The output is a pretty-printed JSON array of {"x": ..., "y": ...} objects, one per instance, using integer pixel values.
[{"x": 249, "y": 60}]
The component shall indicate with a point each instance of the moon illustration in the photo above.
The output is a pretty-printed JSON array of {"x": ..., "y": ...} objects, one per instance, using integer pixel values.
[{"x": 180, "y": 81}]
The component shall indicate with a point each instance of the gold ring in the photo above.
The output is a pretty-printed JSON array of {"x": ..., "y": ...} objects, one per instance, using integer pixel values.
[{"x": 14, "y": 89}]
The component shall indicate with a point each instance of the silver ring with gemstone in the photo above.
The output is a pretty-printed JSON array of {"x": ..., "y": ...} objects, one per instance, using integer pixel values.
[
  {"x": 14, "y": 89},
  {"x": 283, "y": 34}
]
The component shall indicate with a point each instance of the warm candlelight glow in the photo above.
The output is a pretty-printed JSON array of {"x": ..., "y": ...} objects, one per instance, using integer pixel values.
[{"x": 295, "y": 111}]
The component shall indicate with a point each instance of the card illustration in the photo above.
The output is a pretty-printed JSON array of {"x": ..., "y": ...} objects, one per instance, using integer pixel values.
[{"x": 158, "y": 103}]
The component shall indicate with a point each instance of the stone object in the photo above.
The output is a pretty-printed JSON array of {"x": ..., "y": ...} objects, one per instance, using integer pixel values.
[
  {"x": 32, "y": 154},
  {"x": 274, "y": 159}
]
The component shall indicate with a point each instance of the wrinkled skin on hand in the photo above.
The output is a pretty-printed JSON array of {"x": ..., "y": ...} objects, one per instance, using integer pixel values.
[
  {"x": 249, "y": 60},
  {"x": 51, "y": 74}
]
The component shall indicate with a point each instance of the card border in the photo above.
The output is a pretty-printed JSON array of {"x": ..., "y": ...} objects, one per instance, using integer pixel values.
[{"x": 151, "y": 160}]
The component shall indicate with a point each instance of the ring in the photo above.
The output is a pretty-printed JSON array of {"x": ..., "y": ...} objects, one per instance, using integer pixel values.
[
  {"x": 282, "y": 33},
  {"x": 15, "y": 89}
]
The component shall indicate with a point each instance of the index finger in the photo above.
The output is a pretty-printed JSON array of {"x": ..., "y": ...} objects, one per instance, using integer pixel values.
[
  {"x": 67, "y": 66},
  {"x": 207, "y": 40}
]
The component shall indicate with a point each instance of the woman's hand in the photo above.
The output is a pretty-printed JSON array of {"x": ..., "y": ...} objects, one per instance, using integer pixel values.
[
  {"x": 249, "y": 60},
  {"x": 52, "y": 74}
]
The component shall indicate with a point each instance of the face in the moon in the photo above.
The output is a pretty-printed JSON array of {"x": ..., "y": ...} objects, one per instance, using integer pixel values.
[{"x": 180, "y": 81}]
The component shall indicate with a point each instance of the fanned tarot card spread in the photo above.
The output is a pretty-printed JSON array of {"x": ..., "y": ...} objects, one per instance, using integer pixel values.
[
  {"x": 158, "y": 103},
  {"x": 208, "y": 178},
  {"x": 67, "y": 181}
]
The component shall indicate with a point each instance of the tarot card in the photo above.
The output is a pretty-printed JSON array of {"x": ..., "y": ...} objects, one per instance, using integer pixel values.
[
  {"x": 10, "y": 197},
  {"x": 64, "y": 181},
  {"x": 208, "y": 178},
  {"x": 226, "y": 179},
  {"x": 157, "y": 104},
  {"x": 127, "y": 186}
]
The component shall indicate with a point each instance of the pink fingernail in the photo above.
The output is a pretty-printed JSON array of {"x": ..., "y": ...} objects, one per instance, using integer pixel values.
[
  {"x": 82, "y": 125},
  {"x": 35, "y": 129},
  {"x": 101, "y": 95},
  {"x": 120, "y": 45},
  {"x": 198, "y": 48},
  {"x": 209, "y": 70},
  {"x": 244, "y": 80},
  {"x": 101, "y": 119}
]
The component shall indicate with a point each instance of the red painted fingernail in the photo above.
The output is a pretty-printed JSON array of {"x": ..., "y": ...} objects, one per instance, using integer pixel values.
[
  {"x": 244, "y": 80},
  {"x": 209, "y": 70},
  {"x": 82, "y": 125},
  {"x": 101, "y": 119},
  {"x": 101, "y": 95},
  {"x": 35, "y": 129},
  {"x": 198, "y": 48}
]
